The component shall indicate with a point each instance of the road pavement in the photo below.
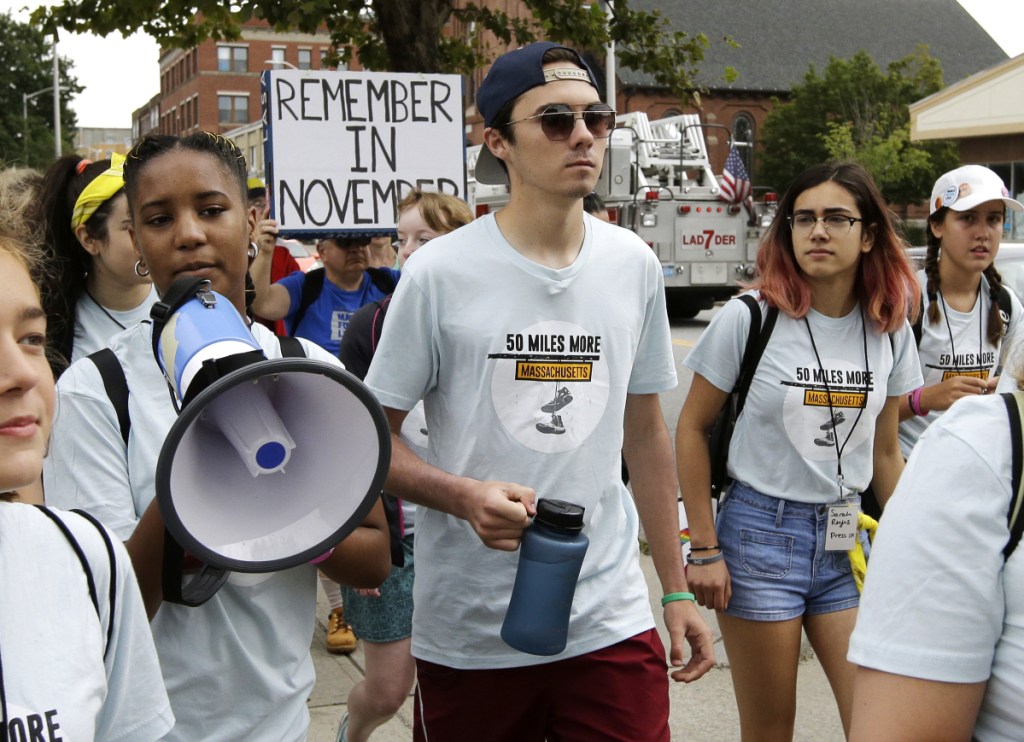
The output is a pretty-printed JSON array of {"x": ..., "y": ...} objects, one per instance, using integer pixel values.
[{"x": 704, "y": 711}]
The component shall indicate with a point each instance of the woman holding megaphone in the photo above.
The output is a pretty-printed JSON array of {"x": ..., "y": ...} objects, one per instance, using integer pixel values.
[{"x": 238, "y": 666}]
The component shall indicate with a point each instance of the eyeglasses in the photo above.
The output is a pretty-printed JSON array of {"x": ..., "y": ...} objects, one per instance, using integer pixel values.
[
  {"x": 557, "y": 121},
  {"x": 836, "y": 225}
]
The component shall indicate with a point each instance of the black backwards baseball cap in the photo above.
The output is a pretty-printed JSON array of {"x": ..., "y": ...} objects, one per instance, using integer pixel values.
[{"x": 511, "y": 75}]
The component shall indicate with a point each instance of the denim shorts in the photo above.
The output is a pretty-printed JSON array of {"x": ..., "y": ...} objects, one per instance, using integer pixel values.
[{"x": 775, "y": 551}]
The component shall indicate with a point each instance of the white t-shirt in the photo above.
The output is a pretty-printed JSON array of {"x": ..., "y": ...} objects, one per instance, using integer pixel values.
[
  {"x": 524, "y": 372},
  {"x": 237, "y": 667},
  {"x": 967, "y": 353},
  {"x": 784, "y": 443},
  {"x": 57, "y": 683},
  {"x": 939, "y": 603},
  {"x": 95, "y": 325}
]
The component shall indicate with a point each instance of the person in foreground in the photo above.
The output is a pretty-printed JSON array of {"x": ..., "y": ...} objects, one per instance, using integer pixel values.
[
  {"x": 383, "y": 617},
  {"x": 77, "y": 659},
  {"x": 532, "y": 384},
  {"x": 238, "y": 666},
  {"x": 940, "y": 635},
  {"x": 819, "y": 425}
]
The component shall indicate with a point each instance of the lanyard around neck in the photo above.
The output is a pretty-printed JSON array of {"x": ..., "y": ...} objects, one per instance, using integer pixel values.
[{"x": 828, "y": 394}]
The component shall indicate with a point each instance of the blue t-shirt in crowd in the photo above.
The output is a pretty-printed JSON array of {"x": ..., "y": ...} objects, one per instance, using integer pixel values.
[{"x": 327, "y": 318}]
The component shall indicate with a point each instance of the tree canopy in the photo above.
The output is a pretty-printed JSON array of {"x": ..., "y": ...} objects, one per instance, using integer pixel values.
[
  {"x": 408, "y": 35},
  {"x": 856, "y": 111},
  {"x": 27, "y": 60}
]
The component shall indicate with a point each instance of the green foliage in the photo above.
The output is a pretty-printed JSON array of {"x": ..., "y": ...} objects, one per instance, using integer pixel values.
[
  {"x": 855, "y": 111},
  {"x": 407, "y": 35},
  {"x": 26, "y": 57}
]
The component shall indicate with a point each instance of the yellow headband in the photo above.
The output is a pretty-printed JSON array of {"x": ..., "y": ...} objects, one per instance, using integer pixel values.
[{"x": 99, "y": 190}]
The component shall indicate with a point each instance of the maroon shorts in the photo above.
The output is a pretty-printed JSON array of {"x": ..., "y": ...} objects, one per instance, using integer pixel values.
[{"x": 616, "y": 693}]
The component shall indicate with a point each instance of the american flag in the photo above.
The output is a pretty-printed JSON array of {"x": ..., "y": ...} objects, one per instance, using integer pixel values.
[{"x": 735, "y": 183}]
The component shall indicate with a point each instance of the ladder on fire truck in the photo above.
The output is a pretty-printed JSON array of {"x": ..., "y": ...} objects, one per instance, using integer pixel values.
[{"x": 667, "y": 149}]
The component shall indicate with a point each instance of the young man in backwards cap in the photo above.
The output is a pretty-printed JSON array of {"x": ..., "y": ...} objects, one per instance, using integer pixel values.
[{"x": 538, "y": 340}]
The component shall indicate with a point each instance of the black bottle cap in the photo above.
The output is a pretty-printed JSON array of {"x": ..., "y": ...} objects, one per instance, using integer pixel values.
[{"x": 559, "y": 514}]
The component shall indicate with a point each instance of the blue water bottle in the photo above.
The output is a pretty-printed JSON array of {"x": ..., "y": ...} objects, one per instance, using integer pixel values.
[{"x": 550, "y": 557}]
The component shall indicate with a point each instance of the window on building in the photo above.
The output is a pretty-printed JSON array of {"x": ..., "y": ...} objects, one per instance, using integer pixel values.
[
  {"x": 277, "y": 55},
  {"x": 233, "y": 109},
  {"x": 305, "y": 59},
  {"x": 232, "y": 59},
  {"x": 323, "y": 59},
  {"x": 743, "y": 139},
  {"x": 252, "y": 159}
]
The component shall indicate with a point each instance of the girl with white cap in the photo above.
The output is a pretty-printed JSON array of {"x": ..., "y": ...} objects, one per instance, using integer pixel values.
[{"x": 964, "y": 326}]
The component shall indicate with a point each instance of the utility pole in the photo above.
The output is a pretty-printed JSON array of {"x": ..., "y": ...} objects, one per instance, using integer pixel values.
[{"x": 56, "y": 101}]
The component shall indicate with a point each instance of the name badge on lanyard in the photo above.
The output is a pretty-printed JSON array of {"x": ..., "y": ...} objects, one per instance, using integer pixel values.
[{"x": 841, "y": 529}]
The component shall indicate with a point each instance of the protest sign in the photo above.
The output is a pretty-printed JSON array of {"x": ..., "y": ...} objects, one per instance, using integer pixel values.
[{"x": 343, "y": 148}]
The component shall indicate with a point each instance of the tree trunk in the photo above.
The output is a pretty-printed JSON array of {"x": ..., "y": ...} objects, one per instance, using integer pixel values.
[{"x": 412, "y": 32}]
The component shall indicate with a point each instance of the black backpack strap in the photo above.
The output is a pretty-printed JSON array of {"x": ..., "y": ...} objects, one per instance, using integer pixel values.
[
  {"x": 312, "y": 285},
  {"x": 757, "y": 341},
  {"x": 382, "y": 279},
  {"x": 116, "y": 386},
  {"x": 1014, "y": 403},
  {"x": 87, "y": 568},
  {"x": 1005, "y": 305},
  {"x": 112, "y": 592},
  {"x": 291, "y": 347}
]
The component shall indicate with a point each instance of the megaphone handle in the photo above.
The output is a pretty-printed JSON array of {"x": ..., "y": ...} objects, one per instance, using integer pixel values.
[{"x": 200, "y": 589}]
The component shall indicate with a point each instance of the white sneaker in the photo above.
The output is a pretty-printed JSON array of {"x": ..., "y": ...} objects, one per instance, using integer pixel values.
[{"x": 343, "y": 728}]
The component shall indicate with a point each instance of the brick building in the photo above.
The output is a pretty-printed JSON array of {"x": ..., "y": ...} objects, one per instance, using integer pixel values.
[{"x": 215, "y": 86}]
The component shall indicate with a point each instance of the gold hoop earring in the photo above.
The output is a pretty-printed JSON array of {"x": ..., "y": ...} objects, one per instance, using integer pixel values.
[{"x": 139, "y": 268}]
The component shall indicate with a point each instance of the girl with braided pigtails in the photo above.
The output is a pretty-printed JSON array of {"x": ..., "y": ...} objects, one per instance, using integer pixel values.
[{"x": 968, "y": 315}]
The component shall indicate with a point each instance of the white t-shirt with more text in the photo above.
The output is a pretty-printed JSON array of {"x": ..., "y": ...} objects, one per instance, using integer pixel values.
[
  {"x": 931, "y": 611},
  {"x": 57, "y": 683},
  {"x": 524, "y": 372},
  {"x": 237, "y": 667},
  {"x": 805, "y": 407},
  {"x": 959, "y": 348}
]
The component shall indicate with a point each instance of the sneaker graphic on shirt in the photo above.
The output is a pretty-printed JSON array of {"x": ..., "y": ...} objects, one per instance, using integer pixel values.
[
  {"x": 554, "y": 427},
  {"x": 562, "y": 398},
  {"x": 828, "y": 440},
  {"x": 838, "y": 419}
]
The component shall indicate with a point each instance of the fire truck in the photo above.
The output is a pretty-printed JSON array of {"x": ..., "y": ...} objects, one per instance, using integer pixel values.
[{"x": 657, "y": 181}]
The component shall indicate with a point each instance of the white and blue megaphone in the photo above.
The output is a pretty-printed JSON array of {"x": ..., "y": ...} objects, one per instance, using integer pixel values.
[{"x": 270, "y": 462}]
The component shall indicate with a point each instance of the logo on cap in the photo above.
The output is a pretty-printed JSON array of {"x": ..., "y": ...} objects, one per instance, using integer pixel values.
[{"x": 950, "y": 195}]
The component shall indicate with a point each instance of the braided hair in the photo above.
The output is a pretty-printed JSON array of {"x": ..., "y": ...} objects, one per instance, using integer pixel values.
[
  {"x": 152, "y": 146},
  {"x": 996, "y": 322}
]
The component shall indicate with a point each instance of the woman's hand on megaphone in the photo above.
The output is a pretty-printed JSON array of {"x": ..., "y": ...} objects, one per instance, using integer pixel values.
[{"x": 499, "y": 512}]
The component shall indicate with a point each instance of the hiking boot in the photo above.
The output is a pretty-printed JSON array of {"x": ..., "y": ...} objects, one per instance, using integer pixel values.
[
  {"x": 562, "y": 398},
  {"x": 554, "y": 427},
  {"x": 340, "y": 637}
]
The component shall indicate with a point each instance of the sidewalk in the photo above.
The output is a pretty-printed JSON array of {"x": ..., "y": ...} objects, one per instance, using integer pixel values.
[{"x": 701, "y": 712}]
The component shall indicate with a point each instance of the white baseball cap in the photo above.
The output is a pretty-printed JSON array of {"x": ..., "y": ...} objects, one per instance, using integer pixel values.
[{"x": 968, "y": 186}]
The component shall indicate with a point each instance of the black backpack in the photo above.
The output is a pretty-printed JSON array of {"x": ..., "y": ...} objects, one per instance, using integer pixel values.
[
  {"x": 725, "y": 422},
  {"x": 313, "y": 285}
]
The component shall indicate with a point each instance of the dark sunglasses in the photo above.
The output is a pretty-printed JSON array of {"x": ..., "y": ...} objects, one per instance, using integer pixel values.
[{"x": 558, "y": 120}]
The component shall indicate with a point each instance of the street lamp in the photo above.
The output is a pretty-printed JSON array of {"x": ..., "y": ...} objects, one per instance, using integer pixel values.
[
  {"x": 25, "y": 98},
  {"x": 280, "y": 61}
]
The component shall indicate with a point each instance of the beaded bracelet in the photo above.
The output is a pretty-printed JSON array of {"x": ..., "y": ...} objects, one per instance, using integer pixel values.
[
  {"x": 671, "y": 597},
  {"x": 700, "y": 562}
]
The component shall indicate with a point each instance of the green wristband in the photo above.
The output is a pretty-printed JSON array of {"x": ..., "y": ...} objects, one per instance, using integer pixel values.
[{"x": 672, "y": 597}]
